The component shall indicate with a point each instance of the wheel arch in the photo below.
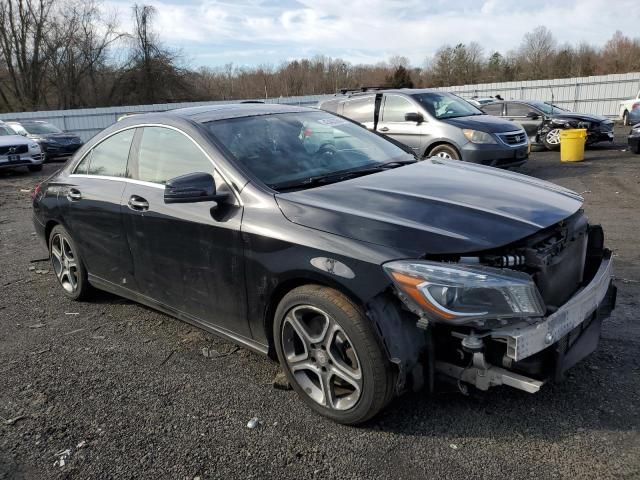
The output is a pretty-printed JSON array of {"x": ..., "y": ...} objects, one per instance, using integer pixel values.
[
  {"x": 48, "y": 228},
  {"x": 438, "y": 143},
  {"x": 289, "y": 284}
]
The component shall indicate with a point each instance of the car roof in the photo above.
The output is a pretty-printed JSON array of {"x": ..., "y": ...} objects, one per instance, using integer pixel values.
[
  {"x": 373, "y": 91},
  {"x": 210, "y": 113}
]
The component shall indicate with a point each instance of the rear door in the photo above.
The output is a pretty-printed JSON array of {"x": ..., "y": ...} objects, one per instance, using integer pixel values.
[
  {"x": 526, "y": 116},
  {"x": 91, "y": 208},
  {"x": 393, "y": 124},
  {"x": 360, "y": 109},
  {"x": 187, "y": 256}
]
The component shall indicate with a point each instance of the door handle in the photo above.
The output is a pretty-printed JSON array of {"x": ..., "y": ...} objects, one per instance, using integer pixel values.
[
  {"x": 138, "y": 203},
  {"x": 384, "y": 129},
  {"x": 74, "y": 194}
]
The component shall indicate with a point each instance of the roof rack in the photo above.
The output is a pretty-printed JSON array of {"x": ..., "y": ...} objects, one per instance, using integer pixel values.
[{"x": 344, "y": 91}]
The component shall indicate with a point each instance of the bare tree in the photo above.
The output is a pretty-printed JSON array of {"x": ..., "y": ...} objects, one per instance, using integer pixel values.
[
  {"x": 536, "y": 52},
  {"x": 23, "y": 29}
]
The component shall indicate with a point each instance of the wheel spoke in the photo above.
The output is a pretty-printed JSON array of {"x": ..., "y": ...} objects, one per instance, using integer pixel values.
[
  {"x": 327, "y": 389},
  {"x": 56, "y": 253}
]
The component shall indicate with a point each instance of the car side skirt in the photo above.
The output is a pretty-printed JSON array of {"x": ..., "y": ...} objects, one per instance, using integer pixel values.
[{"x": 185, "y": 317}]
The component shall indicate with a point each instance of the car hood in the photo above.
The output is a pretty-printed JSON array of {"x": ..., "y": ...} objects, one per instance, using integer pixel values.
[
  {"x": 580, "y": 116},
  {"x": 433, "y": 207},
  {"x": 484, "y": 123},
  {"x": 13, "y": 140},
  {"x": 57, "y": 136}
]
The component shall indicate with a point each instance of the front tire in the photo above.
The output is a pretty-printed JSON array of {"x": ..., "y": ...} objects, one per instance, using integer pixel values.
[
  {"x": 444, "y": 151},
  {"x": 67, "y": 264},
  {"x": 551, "y": 139},
  {"x": 331, "y": 356}
]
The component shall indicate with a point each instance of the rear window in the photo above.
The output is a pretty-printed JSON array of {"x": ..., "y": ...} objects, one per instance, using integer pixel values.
[{"x": 360, "y": 109}]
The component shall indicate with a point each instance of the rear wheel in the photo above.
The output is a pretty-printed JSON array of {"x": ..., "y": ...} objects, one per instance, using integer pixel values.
[
  {"x": 34, "y": 168},
  {"x": 625, "y": 118},
  {"x": 444, "y": 151},
  {"x": 331, "y": 356},
  {"x": 552, "y": 139},
  {"x": 67, "y": 264}
]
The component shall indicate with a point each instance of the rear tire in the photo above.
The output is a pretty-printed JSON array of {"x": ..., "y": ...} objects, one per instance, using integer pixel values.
[
  {"x": 34, "y": 168},
  {"x": 625, "y": 118},
  {"x": 331, "y": 355},
  {"x": 444, "y": 151},
  {"x": 68, "y": 265}
]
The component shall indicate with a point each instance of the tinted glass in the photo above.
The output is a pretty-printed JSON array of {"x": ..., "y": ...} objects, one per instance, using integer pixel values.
[
  {"x": 443, "y": 105},
  {"x": 395, "y": 108},
  {"x": 360, "y": 109},
  {"x": 4, "y": 131},
  {"x": 291, "y": 147},
  {"x": 518, "y": 109},
  {"x": 41, "y": 128},
  {"x": 165, "y": 154},
  {"x": 110, "y": 157},
  {"x": 548, "y": 108},
  {"x": 494, "y": 109}
]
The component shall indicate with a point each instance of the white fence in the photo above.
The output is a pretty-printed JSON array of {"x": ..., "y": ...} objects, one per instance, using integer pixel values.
[{"x": 599, "y": 95}]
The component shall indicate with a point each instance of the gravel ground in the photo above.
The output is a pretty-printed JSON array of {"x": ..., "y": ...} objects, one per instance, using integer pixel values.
[{"x": 127, "y": 391}]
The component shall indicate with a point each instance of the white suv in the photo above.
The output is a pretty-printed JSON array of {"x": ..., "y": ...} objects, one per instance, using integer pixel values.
[{"x": 18, "y": 151}]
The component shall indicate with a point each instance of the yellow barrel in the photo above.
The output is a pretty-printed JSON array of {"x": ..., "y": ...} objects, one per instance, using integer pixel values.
[{"x": 572, "y": 144}]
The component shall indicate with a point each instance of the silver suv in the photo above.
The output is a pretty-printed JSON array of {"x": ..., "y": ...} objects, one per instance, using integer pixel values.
[
  {"x": 17, "y": 151},
  {"x": 434, "y": 123}
]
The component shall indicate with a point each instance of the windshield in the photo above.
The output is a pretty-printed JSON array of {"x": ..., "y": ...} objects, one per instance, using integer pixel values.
[
  {"x": 40, "y": 128},
  {"x": 286, "y": 148},
  {"x": 4, "y": 131},
  {"x": 442, "y": 105},
  {"x": 547, "y": 108}
]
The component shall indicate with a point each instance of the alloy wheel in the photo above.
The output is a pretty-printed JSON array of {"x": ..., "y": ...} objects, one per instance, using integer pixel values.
[
  {"x": 64, "y": 262},
  {"x": 321, "y": 358},
  {"x": 553, "y": 137},
  {"x": 444, "y": 155}
]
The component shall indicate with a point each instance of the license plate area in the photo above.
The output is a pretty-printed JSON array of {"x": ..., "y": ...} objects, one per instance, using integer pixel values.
[{"x": 13, "y": 158}]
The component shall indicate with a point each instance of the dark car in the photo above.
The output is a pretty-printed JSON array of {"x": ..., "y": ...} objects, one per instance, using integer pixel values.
[
  {"x": 303, "y": 236},
  {"x": 634, "y": 139},
  {"x": 54, "y": 142},
  {"x": 543, "y": 121},
  {"x": 433, "y": 123}
]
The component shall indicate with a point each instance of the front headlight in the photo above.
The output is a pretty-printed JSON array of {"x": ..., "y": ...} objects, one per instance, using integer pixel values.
[
  {"x": 476, "y": 136},
  {"x": 34, "y": 146},
  {"x": 457, "y": 293}
]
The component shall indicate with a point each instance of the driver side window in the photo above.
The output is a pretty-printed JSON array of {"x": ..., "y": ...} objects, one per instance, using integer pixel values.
[
  {"x": 395, "y": 107},
  {"x": 165, "y": 153}
]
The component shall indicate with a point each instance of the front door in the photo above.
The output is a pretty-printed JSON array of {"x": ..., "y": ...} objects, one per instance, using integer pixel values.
[
  {"x": 187, "y": 256},
  {"x": 526, "y": 116},
  {"x": 393, "y": 124}
]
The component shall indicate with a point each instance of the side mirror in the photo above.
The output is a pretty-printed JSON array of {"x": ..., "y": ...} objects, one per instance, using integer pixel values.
[
  {"x": 413, "y": 117},
  {"x": 191, "y": 188},
  {"x": 533, "y": 116}
]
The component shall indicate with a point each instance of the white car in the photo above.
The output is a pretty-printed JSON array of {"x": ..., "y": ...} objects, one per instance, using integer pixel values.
[
  {"x": 626, "y": 107},
  {"x": 480, "y": 101},
  {"x": 18, "y": 151}
]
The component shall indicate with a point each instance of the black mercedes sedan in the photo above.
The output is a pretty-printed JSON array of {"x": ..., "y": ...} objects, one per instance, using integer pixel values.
[
  {"x": 543, "y": 121},
  {"x": 304, "y": 236}
]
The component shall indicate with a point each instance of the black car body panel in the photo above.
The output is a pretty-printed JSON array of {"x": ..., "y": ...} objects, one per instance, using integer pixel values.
[
  {"x": 225, "y": 265},
  {"x": 634, "y": 139},
  {"x": 433, "y": 207},
  {"x": 537, "y": 126}
]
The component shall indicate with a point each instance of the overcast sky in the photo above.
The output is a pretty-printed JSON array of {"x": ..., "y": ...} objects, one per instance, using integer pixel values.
[{"x": 253, "y": 32}]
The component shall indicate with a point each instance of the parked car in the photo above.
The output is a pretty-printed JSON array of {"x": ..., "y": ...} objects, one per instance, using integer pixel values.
[
  {"x": 479, "y": 101},
  {"x": 625, "y": 109},
  {"x": 634, "y": 114},
  {"x": 17, "y": 151},
  {"x": 543, "y": 121},
  {"x": 634, "y": 139},
  {"x": 434, "y": 123},
  {"x": 362, "y": 271},
  {"x": 54, "y": 142}
]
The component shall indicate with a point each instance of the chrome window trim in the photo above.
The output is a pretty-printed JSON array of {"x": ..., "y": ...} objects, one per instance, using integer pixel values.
[{"x": 232, "y": 187}]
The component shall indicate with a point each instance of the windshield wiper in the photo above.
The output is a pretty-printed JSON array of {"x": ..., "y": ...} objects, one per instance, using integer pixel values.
[{"x": 338, "y": 176}]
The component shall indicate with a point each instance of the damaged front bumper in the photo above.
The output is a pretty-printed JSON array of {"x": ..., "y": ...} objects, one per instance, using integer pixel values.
[{"x": 563, "y": 338}]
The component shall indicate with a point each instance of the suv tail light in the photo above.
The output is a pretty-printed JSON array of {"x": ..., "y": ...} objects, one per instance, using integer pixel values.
[{"x": 635, "y": 105}]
